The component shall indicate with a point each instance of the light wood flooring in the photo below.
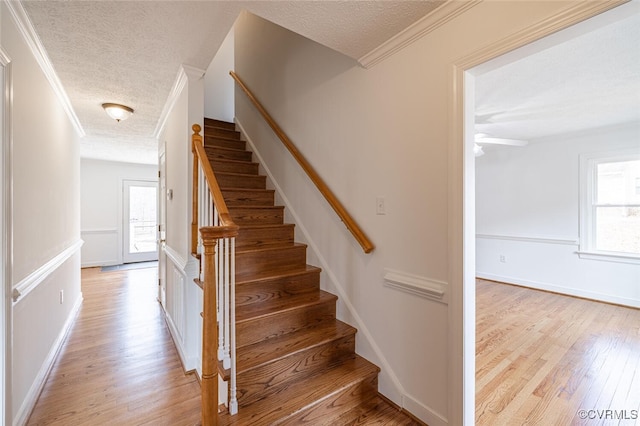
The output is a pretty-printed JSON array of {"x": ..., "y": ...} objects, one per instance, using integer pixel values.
[
  {"x": 541, "y": 358},
  {"x": 118, "y": 365}
]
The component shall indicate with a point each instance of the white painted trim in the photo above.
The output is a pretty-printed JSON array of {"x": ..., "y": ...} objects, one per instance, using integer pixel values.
[
  {"x": 416, "y": 285},
  {"x": 421, "y": 411},
  {"x": 416, "y": 31},
  {"x": 609, "y": 257},
  {"x": 99, "y": 231},
  {"x": 176, "y": 258},
  {"x": 6, "y": 204},
  {"x": 32, "y": 39},
  {"x": 38, "y": 384},
  {"x": 461, "y": 394},
  {"x": 184, "y": 268},
  {"x": 556, "y": 288},
  {"x": 343, "y": 295},
  {"x": 188, "y": 363},
  {"x": 185, "y": 73},
  {"x": 526, "y": 239},
  {"x": 29, "y": 283}
]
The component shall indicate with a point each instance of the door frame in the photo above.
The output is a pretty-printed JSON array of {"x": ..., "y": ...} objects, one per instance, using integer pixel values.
[
  {"x": 162, "y": 225},
  {"x": 462, "y": 199},
  {"x": 141, "y": 257},
  {"x": 6, "y": 248}
]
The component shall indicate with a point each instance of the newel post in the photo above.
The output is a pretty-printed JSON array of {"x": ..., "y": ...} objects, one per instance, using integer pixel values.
[{"x": 210, "y": 236}]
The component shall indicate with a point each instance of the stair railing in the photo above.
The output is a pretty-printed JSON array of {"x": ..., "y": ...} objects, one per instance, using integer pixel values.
[
  {"x": 212, "y": 225},
  {"x": 333, "y": 201}
]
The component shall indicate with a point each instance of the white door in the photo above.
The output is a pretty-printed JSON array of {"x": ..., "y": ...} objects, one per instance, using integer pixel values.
[
  {"x": 140, "y": 221},
  {"x": 162, "y": 209}
]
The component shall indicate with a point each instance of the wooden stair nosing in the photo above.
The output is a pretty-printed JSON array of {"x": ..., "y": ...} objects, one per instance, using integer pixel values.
[
  {"x": 273, "y": 350},
  {"x": 282, "y": 306},
  {"x": 272, "y": 376},
  {"x": 216, "y": 149},
  {"x": 261, "y": 326},
  {"x": 214, "y": 122},
  {"x": 306, "y": 393},
  {"x": 222, "y": 142},
  {"x": 274, "y": 275}
]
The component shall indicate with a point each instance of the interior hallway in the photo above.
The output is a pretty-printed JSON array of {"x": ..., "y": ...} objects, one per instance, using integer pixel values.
[
  {"x": 548, "y": 359},
  {"x": 118, "y": 365}
]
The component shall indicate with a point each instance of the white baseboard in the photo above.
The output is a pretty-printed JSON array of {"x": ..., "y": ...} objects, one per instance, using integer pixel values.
[
  {"x": 30, "y": 400},
  {"x": 554, "y": 288},
  {"x": 423, "y": 412}
]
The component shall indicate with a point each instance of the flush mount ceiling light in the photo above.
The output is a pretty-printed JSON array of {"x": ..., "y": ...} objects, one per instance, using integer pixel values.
[{"x": 117, "y": 112}]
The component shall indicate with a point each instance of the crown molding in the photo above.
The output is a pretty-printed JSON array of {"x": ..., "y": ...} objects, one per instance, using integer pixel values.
[
  {"x": 32, "y": 39},
  {"x": 185, "y": 73},
  {"x": 435, "y": 19}
]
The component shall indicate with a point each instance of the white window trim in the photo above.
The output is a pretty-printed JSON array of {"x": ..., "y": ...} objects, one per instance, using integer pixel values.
[{"x": 587, "y": 193}]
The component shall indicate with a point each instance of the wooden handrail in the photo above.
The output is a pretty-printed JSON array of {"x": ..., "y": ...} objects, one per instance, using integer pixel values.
[{"x": 333, "y": 201}]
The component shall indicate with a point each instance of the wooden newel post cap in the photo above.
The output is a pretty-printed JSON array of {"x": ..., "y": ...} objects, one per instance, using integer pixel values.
[{"x": 196, "y": 129}]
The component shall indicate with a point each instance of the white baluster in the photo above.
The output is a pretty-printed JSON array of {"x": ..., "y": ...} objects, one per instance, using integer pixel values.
[
  {"x": 227, "y": 301},
  {"x": 233, "y": 400}
]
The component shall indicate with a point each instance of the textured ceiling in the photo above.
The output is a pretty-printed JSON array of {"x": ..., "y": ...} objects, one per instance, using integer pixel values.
[
  {"x": 130, "y": 52},
  {"x": 586, "y": 78}
]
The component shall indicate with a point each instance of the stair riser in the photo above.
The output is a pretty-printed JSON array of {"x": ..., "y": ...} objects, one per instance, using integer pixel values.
[
  {"x": 241, "y": 181},
  {"x": 249, "y": 198},
  {"x": 228, "y": 154},
  {"x": 212, "y": 122},
  {"x": 224, "y": 143},
  {"x": 257, "y": 216},
  {"x": 259, "y": 329},
  {"x": 249, "y": 263},
  {"x": 234, "y": 167},
  {"x": 265, "y": 237},
  {"x": 326, "y": 411},
  {"x": 268, "y": 379},
  {"x": 221, "y": 133},
  {"x": 262, "y": 290}
]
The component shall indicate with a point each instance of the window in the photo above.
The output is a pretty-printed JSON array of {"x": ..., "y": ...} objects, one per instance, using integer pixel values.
[{"x": 610, "y": 219}]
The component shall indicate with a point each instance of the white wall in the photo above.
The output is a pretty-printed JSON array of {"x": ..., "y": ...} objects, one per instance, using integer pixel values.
[
  {"x": 101, "y": 204},
  {"x": 528, "y": 212},
  {"x": 383, "y": 131},
  {"x": 219, "y": 102},
  {"x": 46, "y": 219}
]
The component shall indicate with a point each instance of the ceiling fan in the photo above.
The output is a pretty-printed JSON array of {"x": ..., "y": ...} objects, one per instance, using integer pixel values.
[{"x": 484, "y": 138}]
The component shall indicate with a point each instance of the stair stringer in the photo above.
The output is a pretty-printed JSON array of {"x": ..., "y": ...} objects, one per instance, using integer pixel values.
[{"x": 386, "y": 370}]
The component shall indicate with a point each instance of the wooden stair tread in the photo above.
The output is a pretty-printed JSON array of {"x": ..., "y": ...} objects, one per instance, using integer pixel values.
[
  {"x": 278, "y": 306},
  {"x": 230, "y": 161},
  {"x": 266, "y": 250},
  {"x": 274, "y": 349},
  {"x": 303, "y": 394},
  {"x": 213, "y": 148},
  {"x": 375, "y": 411},
  {"x": 282, "y": 273}
]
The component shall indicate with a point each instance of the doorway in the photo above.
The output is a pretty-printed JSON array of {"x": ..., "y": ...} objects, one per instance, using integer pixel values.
[
  {"x": 463, "y": 175},
  {"x": 140, "y": 221}
]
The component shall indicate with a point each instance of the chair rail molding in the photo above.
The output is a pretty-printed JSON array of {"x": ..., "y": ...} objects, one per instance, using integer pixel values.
[
  {"x": 31, "y": 281},
  {"x": 416, "y": 285}
]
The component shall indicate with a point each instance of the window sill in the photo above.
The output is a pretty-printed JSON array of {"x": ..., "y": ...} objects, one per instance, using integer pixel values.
[{"x": 610, "y": 257}]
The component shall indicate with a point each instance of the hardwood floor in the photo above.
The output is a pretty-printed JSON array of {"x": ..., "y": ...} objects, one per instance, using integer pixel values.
[
  {"x": 118, "y": 365},
  {"x": 541, "y": 358}
]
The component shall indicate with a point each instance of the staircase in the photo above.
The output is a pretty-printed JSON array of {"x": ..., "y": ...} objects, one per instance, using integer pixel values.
[{"x": 296, "y": 363}]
